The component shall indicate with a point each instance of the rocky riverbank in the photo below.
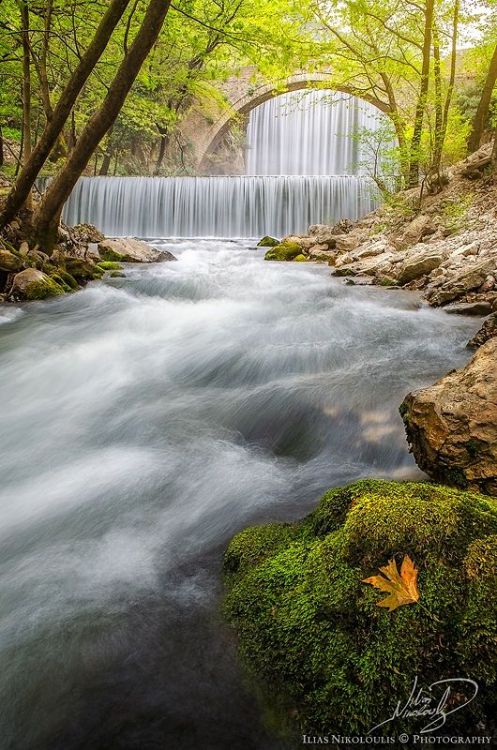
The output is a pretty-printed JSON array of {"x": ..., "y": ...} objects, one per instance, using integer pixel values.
[
  {"x": 82, "y": 254},
  {"x": 445, "y": 246}
]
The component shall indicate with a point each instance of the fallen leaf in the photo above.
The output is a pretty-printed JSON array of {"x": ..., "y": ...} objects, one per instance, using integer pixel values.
[{"x": 402, "y": 588}]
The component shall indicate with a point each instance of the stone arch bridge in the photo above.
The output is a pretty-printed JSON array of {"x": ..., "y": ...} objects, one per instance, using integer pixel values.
[{"x": 206, "y": 130}]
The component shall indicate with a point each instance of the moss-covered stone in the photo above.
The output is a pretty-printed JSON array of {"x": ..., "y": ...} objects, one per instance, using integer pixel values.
[
  {"x": 83, "y": 270},
  {"x": 68, "y": 279},
  {"x": 33, "y": 284},
  {"x": 110, "y": 255},
  {"x": 311, "y": 632},
  {"x": 109, "y": 265},
  {"x": 300, "y": 258},
  {"x": 283, "y": 251},
  {"x": 268, "y": 241}
]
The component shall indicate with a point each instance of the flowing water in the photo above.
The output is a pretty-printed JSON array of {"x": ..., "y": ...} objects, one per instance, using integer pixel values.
[
  {"x": 313, "y": 132},
  {"x": 217, "y": 206},
  {"x": 147, "y": 419}
]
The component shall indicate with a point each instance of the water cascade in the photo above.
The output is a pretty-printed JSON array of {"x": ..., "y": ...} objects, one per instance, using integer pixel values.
[
  {"x": 216, "y": 206},
  {"x": 306, "y": 164},
  {"x": 311, "y": 133}
]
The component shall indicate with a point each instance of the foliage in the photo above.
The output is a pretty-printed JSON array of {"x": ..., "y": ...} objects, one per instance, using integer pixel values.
[{"x": 312, "y": 633}]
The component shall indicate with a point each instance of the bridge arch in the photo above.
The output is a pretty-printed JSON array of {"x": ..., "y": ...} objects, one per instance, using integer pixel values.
[{"x": 262, "y": 93}]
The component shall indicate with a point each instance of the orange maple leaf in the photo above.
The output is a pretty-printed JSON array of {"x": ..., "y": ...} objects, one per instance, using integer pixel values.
[{"x": 402, "y": 588}]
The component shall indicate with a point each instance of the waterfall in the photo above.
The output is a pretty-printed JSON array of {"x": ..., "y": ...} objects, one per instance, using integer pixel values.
[
  {"x": 312, "y": 132},
  {"x": 216, "y": 206},
  {"x": 306, "y": 164}
]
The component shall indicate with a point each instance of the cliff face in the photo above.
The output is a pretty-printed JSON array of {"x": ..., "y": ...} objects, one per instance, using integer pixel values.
[{"x": 452, "y": 425}]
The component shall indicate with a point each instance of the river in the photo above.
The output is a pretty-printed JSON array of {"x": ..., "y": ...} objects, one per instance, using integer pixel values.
[{"x": 144, "y": 421}]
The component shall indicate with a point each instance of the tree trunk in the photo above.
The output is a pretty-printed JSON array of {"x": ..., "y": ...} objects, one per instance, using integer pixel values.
[
  {"x": 164, "y": 140},
  {"x": 62, "y": 110},
  {"x": 48, "y": 214},
  {"x": 478, "y": 124},
  {"x": 26, "y": 84},
  {"x": 415, "y": 155},
  {"x": 105, "y": 166}
]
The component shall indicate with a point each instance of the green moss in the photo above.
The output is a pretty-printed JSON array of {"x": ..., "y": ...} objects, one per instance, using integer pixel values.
[
  {"x": 117, "y": 275},
  {"x": 300, "y": 258},
  {"x": 60, "y": 281},
  {"x": 43, "y": 289},
  {"x": 107, "y": 254},
  {"x": 68, "y": 279},
  {"x": 311, "y": 633},
  {"x": 83, "y": 270},
  {"x": 109, "y": 265},
  {"x": 268, "y": 241},
  {"x": 284, "y": 251}
]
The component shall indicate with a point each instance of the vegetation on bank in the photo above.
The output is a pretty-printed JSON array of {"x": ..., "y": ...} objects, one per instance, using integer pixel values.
[{"x": 330, "y": 659}]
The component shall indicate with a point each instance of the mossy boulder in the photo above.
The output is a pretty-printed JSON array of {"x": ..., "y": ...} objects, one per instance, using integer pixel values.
[
  {"x": 284, "y": 251},
  {"x": 109, "y": 265},
  {"x": 310, "y": 630},
  {"x": 268, "y": 241},
  {"x": 33, "y": 284},
  {"x": 108, "y": 254},
  {"x": 300, "y": 258},
  {"x": 9, "y": 261},
  {"x": 82, "y": 270}
]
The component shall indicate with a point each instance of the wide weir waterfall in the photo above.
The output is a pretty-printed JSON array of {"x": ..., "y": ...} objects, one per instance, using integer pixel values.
[{"x": 306, "y": 164}]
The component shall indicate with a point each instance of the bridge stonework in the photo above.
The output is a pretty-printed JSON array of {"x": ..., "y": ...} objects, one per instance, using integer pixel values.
[{"x": 205, "y": 127}]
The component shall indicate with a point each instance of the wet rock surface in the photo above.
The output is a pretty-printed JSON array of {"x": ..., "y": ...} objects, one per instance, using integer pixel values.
[{"x": 452, "y": 425}]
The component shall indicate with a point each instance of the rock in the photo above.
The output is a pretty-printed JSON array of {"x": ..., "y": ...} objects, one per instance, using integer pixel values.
[
  {"x": 469, "y": 308},
  {"x": 9, "y": 262},
  {"x": 346, "y": 243},
  {"x": 419, "y": 264},
  {"x": 310, "y": 630},
  {"x": 38, "y": 259},
  {"x": 131, "y": 250},
  {"x": 341, "y": 227},
  {"x": 300, "y": 258},
  {"x": 268, "y": 241},
  {"x": 420, "y": 227},
  {"x": 321, "y": 253},
  {"x": 486, "y": 332},
  {"x": 284, "y": 251},
  {"x": 468, "y": 277},
  {"x": 33, "y": 284},
  {"x": 109, "y": 265},
  {"x": 489, "y": 284},
  {"x": 82, "y": 270},
  {"x": 452, "y": 425},
  {"x": 87, "y": 233}
]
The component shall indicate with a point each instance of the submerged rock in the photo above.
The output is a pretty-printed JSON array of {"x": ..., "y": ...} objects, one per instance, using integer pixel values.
[
  {"x": 312, "y": 633},
  {"x": 33, "y": 284},
  {"x": 452, "y": 425}
]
